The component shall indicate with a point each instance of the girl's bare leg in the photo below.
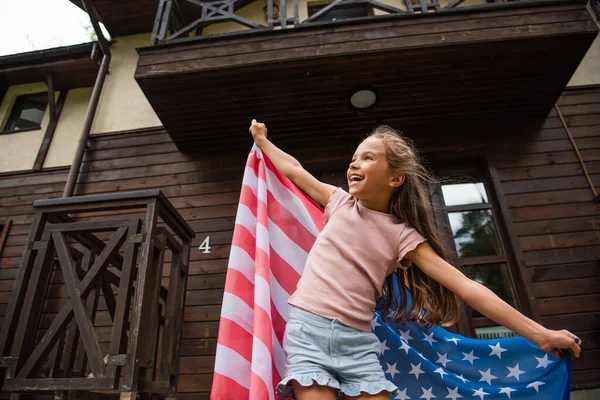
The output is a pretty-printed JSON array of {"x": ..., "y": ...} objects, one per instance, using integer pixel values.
[
  {"x": 379, "y": 396},
  {"x": 315, "y": 392}
]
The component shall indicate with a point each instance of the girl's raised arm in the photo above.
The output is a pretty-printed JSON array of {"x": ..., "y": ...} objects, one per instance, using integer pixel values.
[
  {"x": 486, "y": 302},
  {"x": 290, "y": 167}
]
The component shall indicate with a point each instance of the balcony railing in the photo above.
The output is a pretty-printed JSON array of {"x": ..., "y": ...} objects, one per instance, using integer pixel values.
[{"x": 180, "y": 19}]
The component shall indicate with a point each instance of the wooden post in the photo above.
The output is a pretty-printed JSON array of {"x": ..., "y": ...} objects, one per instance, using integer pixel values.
[{"x": 131, "y": 372}]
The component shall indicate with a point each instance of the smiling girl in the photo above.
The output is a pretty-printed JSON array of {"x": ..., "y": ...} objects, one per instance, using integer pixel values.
[{"x": 380, "y": 226}]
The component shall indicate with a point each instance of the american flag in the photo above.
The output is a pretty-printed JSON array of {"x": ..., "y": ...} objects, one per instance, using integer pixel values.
[{"x": 275, "y": 227}]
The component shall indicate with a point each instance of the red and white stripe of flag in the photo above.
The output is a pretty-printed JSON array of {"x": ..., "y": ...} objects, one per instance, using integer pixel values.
[{"x": 276, "y": 225}]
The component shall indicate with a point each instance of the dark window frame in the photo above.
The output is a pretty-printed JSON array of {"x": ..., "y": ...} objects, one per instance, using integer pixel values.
[
  {"x": 480, "y": 170},
  {"x": 18, "y": 107}
]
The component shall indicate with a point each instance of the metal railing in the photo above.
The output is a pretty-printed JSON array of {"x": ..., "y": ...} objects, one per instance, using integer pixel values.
[{"x": 177, "y": 19}]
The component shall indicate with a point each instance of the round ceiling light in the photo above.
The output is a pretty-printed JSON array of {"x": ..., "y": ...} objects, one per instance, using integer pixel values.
[{"x": 363, "y": 98}]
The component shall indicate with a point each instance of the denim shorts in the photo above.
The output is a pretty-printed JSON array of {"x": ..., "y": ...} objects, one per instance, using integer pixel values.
[{"x": 329, "y": 353}]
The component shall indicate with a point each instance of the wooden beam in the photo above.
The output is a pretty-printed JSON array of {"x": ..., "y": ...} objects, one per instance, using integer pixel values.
[
  {"x": 57, "y": 384},
  {"x": 55, "y": 111},
  {"x": 4, "y": 234},
  {"x": 51, "y": 99}
]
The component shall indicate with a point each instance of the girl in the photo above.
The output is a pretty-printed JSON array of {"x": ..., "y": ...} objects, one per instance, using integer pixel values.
[{"x": 383, "y": 225}]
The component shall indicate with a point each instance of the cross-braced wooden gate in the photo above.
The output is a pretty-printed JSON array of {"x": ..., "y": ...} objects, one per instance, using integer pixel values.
[{"x": 118, "y": 263}]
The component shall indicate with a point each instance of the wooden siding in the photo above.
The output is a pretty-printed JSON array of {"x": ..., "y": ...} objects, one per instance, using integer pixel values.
[{"x": 556, "y": 226}]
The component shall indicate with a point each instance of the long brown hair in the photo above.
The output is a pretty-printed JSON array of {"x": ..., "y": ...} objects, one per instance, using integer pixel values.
[{"x": 432, "y": 303}]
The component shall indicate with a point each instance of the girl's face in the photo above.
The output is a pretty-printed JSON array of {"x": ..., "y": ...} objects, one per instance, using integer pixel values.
[{"x": 368, "y": 175}]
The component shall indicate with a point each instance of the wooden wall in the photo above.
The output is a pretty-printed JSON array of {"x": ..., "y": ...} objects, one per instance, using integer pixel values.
[{"x": 555, "y": 224}]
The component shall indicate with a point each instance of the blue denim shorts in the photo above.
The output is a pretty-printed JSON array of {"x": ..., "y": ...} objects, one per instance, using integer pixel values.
[{"x": 329, "y": 353}]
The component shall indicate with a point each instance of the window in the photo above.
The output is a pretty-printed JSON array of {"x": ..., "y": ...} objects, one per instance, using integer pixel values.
[
  {"x": 340, "y": 13},
  {"x": 471, "y": 220},
  {"x": 27, "y": 112}
]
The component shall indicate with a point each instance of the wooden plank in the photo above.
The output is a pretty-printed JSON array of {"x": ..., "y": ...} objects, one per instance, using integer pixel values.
[
  {"x": 590, "y": 360},
  {"x": 571, "y": 304},
  {"x": 549, "y": 198},
  {"x": 561, "y": 240},
  {"x": 129, "y": 160},
  {"x": 200, "y": 282},
  {"x": 194, "y": 330},
  {"x": 204, "y": 297},
  {"x": 194, "y": 383},
  {"x": 202, "y": 314},
  {"x": 34, "y": 179},
  {"x": 520, "y": 173},
  {"x": 554, "y": 211},
  {"x": 582, "y": 379},
  {"x": 557, "y": 256},
  {"x": 197, "y": 365},
  {"x": 551, "y": 226},
  {"x": 567, "y": 287},
  {"x": 57, "y": 384},
  {"x": 140, "y": 149},
  {"x": 530, "y": 160},
  {"x": 564, "y": 271},
  {"x": 122, "y": 141},
  {"x": 159, "y": 181}
]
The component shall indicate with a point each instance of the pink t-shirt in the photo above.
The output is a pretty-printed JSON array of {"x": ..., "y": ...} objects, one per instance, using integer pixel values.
[{"x": 347, "y": 265}]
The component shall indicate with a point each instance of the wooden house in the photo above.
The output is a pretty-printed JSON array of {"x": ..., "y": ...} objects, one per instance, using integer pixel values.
[{"x": 501, "y": 97}]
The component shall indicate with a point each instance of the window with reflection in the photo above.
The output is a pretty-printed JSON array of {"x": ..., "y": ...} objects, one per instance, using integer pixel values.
[
  {"x": 471, "y": 221},
  {"x": 27, "y": 112}
]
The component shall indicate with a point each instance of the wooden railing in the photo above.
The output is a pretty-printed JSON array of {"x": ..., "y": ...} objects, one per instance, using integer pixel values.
[
  {"x": 179, "y": 19},
  {"x": 114, "y": 264}
]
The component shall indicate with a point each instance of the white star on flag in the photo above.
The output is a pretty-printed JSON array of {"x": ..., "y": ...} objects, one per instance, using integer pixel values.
[
  {"x": 429, "y": 338},
  {"x": 462, "y": 378},
  {"x": 374, "y": 324},
  {"x": 384, "y": 347},
  {"x": 487, "y": 376},
  {"x": 416, "y": 370},
  {"x": 404, "y": 346},
  {"x": 507, "y": 391},
  {"x": 543, "y": 362},
  {"x": 515, "y": 371},
  {"x": 427, "y": 394},
  {"x": 536, "y": 385},
  {"x": 392, "y": 370},
  {"x": 470, "y": 357},
  {"x": 453, "y": 394},
  {"x": 441, "y": 372},
  {"x": 405, "y": 334},
  {"x": 454, "y": 340},
  {"x": 497, "y": 350},
  {"x": 443, "y": 359},
  {"x": 402, "y": 395},
  {"x": 422, "y": 356},
  {"x": 479, "y": 392}
]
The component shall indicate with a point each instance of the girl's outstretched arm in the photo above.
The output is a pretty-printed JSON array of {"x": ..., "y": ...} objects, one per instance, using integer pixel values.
[
  {"x": 486, "y": 302},
  {"x": 290, "y": 167}
]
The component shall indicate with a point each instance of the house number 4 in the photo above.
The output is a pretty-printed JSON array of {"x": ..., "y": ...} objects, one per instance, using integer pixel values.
[{"x": 205, "y": 245}]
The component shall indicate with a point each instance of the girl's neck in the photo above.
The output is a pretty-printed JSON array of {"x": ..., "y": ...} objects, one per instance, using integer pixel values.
[{"x": 380, "y": 205}]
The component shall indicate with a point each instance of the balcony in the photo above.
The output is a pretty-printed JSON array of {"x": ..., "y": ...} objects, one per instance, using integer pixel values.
[{"x": 457, "y": 65}]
